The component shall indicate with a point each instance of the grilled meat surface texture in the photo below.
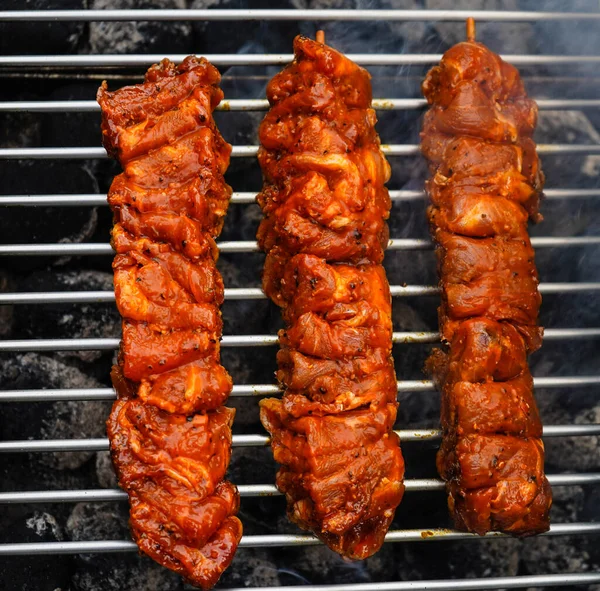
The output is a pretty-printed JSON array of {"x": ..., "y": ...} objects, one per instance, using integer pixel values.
[
  {"x": 324, "y": 232},
  {"x": 170, "y": 436},
  {"x": 485, "y": 184}
]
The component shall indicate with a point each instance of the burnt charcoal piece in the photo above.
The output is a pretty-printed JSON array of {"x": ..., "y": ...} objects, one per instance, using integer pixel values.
[
  {"x": 50, "y": 420},
  {"x": 243, "y": 36},
  {"x": 41, "y": 37},
  {"x": 43, "y": 572},
  {"x": 160, "y": 37},
  {"x": 23, "y": 177},
  {"x": 101, "y": 572},
  {"x": 45, "y": 225},
  {"x": 68, "y": 320}
]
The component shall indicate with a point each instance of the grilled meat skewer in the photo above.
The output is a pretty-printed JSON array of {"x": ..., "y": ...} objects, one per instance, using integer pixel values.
[
  {"x": 324, "y": 232},
  {"x": 170, "y": 436},
  {"x": 485, "y": 184}
]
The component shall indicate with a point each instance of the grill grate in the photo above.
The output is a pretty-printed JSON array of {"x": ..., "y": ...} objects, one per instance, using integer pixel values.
[{"x": 21, "y": 65}]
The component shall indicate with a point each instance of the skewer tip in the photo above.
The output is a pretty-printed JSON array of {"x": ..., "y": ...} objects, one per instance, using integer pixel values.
[
  {"x": 471, "y": 29},
  {"x": 320, "y": 36}
]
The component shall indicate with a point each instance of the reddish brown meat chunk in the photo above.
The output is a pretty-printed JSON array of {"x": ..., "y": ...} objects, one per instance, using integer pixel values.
[
  {"x": 485, "y": 184},
  {"x": 324, "y": 232},
  {"x": 170, "y": 437}
]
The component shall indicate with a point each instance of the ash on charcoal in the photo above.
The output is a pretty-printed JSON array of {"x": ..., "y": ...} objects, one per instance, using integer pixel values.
[
  {"x": 318, "y": 564},
  {"x": 255, "y": 568},
  {"x": 98, "y": 521},
  {"x": 44, "y": 523},
  {"x": 69, "y": 320},
  {"x": 74, "y": 420},
  {"x": 450, "y": 560},
  {"x": 563, "y": 217},
  {"x": 140, "y": 37},
  {"x": 130, "y": 574},
  {"x": 24, "y": 573},
  {"x": 569, "y": 554},
  {"x": 105, "y": 471},
  {"x": 573, "y": 454},
  {"x": 58, "y": 420}
]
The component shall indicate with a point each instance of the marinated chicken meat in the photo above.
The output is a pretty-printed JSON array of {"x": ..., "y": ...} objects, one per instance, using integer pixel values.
[
  {"x": 324, "y": 232},
  {"x": 170, "y": 436},
  {"x": 485, "y": 184}
]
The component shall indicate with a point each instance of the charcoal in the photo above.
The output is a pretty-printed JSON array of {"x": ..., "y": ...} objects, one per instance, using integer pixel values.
[
  {"x": 70, "y": 320},
  {"x": 244, "y": 36},
  {"x": 45, "y": 225},
  {"x": 45, "y": 572},
  {"x": 101, "y": 572},
  {"x": 140, "y": 37},
  {"x": 22, "y": 177},
  {"x": 105, "y": 471},
  {"x": 574, "y": 454},
  {"x": 50, "y": 37},
  {"x": 58, "y": 420},
  {"x": 257, "y": 569}
]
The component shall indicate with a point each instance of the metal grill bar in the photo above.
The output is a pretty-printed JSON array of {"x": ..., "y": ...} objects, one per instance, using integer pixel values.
[
  {"x": 101, "y": 444},
  {"x": 530, "y": 581},
  {"x": 238, "y": 391},
  {"x": 279, "y": 540},
  {"x": 92, "y": 199},
  {"x": 249, "y": 490},
  {"x": 89, "y": 248},
  {"x": 87, "y": 153},
  {"x": 289, "y": 15},
  {"x": 96, "y": 199},
  {"x": 252, "y": 293},
  {"x": 382, "y": 104},
  {"x": 102, "y": 344},
  {"x": 251, "y": 390},
  {"x": 266, "y": 59}
]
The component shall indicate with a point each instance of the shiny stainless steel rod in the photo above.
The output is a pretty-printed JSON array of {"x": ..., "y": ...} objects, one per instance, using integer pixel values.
[
  {"x": 249, "y": 490},
  {"x": 101, "y": 444},
  {"x": 251, "y": 293},
  {"x": 274, "y": 14},
  {"x": 89, "y": 248},
  {"x": 87, "y": 153},
  {"x": 264, "y": 340},
  {"x": 265, "y": 59},
  {"x": 380, "y": 104},
  {"x": 91, "y": 199},
  {"x": 252, "y": 390},
  {"x": 279, "y": 540},
  {"x": 516, "y": 582}
]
